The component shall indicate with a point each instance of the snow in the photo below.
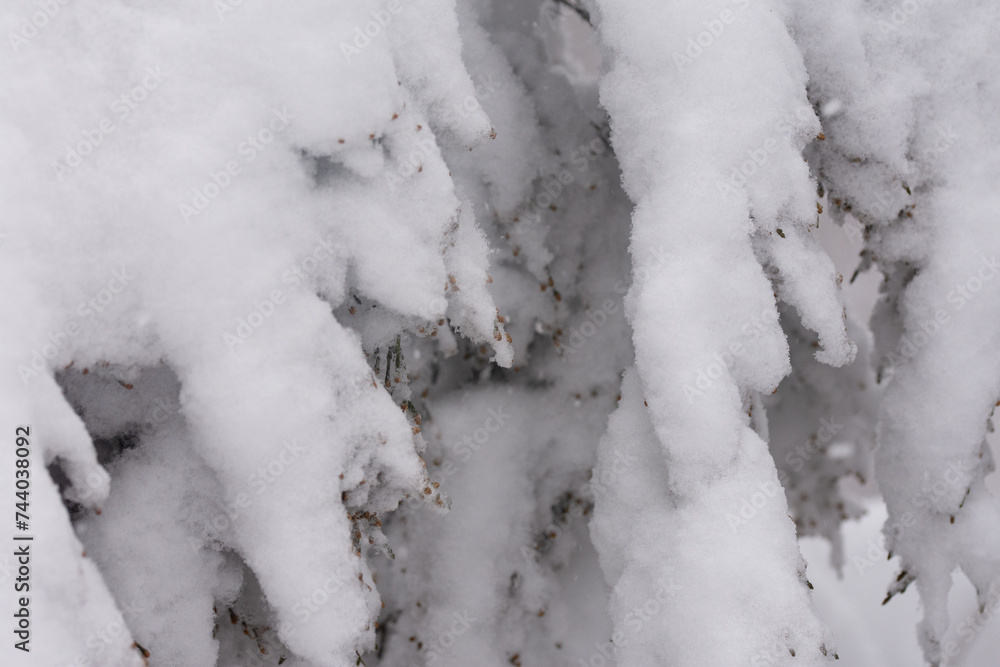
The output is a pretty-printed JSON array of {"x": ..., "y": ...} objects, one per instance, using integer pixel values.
[
  {"x": 715, "y": 188},
  {"x": 925, "y": 157},
  {"x": 451, "y": 332},
  {"x": 869, "y": 633},
  {"x": 211, "y": 174}
]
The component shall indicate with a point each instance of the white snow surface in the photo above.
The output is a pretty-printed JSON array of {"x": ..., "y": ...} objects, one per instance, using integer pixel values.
[{"x": 386, "y": 331}]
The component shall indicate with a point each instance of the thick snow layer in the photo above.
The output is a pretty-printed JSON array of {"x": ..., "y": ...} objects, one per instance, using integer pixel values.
[
  {"x": 205, "y": 184},
  {"x": 872, "y": 634},
  {"x": 393, "y": 333},
  {"x": 714, "y": 167},
  {"x": 912, "y": 152}
]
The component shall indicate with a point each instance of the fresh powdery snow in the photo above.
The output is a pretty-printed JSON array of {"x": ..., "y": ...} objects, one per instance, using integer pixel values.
[
  {"x": 475, "y": 332},
  {"x": 709, "y": 149}
]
